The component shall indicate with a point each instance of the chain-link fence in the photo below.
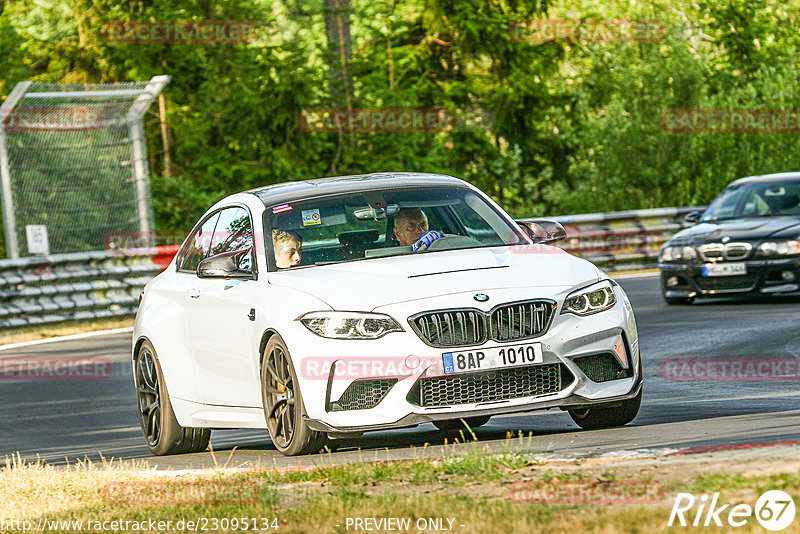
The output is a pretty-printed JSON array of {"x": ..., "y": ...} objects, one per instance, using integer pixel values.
[{"x": 73, "y": 165}]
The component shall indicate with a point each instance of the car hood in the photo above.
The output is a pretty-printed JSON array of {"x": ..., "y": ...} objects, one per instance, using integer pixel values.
[
  {"x": 748, "y": 229},
  {"x": 367, "y": 284}
]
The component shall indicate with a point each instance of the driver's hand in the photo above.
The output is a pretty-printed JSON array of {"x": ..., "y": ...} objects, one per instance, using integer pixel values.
[{"x": 426, "y": 240}]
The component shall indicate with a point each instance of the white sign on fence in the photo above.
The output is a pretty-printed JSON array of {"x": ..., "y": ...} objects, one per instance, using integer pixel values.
[{"x": 37, "y": 239}]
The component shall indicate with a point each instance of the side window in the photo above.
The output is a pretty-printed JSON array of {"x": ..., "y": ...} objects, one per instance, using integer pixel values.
[
  {"x": 234, "y": 233},
  {"x": 197, "y": 245}
]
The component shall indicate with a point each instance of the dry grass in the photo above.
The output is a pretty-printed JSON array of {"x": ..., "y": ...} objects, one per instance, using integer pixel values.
[
  {"x": 65, "y": 329},
  {"x": 473, "y": 490}
]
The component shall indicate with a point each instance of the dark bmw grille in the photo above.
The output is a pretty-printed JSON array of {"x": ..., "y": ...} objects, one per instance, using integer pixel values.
[
  {"x": 602, "y": 367},
  {"x": 363, "y": 394},
  {"x": 521, "y": 320},
  {"x": 745, "y": 282},
  {"x": 451, "y": 328},
  {"x": 509, "y": 322},
  {"x": 484, "y": 386}
]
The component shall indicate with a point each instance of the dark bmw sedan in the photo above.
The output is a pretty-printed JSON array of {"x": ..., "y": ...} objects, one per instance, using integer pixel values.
[{"x": 747, "y": 242}]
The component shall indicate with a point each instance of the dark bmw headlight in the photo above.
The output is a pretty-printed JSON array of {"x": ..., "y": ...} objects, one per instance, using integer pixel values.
[
  {"x": 677, "y": 253},
  {"x": 349, "y": 325},
  {"x": 593, "y": 299},
  {"x": 779, "y": 248}
]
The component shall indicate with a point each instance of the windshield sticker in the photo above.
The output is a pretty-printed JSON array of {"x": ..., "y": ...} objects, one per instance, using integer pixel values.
[
  {"x": 282, "y": 208},
  {"x": 311, "y": 217}
]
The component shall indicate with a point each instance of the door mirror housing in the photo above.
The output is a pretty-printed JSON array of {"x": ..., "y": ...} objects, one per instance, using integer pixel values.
[
  {"x": 235, "y": 264},
  {"x": 693, "y": 217},
  {"x": 543, "y": 230}
]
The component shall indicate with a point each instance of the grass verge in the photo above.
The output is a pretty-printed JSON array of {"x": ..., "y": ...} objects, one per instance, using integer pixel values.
[
  {"x": 68, "y": 328},
  {"x": 470, "y": 493}
]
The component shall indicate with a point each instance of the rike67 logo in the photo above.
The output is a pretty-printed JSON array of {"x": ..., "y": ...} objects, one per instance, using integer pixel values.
[{"x": 774, "y": 510}]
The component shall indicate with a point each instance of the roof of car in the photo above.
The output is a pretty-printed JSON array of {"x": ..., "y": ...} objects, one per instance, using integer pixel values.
[
  {"x": 777, "y": 177},
  {"x": 293, "y": 191}
]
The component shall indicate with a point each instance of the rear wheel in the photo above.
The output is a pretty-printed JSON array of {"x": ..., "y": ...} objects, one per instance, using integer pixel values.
[
  {"x": 283, "y": 403},
  {"x": 160, "y": 427},
  {"x": 458, "y": 424}
]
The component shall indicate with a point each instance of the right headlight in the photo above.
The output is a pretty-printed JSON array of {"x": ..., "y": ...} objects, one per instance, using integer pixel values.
[
  {"x": 592, "y": 299},
  {"x": 779, "y": 248},
  {"x": 678, "y": 253},
  {"x": 349, "y": 325}
]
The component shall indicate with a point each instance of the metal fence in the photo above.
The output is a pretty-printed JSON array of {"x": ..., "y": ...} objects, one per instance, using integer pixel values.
[
  {"x": 73, "y": 165},
  {"x": 65, "y": 287}
]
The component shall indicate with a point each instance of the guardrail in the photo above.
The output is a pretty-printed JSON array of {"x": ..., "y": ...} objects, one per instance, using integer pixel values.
[
  {"x": 58, "y": 288},
  {"x": 622, "y": 240}
]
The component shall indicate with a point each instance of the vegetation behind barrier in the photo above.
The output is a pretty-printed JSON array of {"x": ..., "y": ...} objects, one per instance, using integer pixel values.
[{"x": 570, "y": 126}]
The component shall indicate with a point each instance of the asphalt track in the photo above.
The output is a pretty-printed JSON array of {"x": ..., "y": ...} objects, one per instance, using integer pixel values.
[{"x": 67, "y": 420}]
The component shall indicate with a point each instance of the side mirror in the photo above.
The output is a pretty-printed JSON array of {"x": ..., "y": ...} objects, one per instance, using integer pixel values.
[
  {"x": 236, "y": 264},
  {"x": 693, "y": 217},
  {"x": 543, "y": 230}
]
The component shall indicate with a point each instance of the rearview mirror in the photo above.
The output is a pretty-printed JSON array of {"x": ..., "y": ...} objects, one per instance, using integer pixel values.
[
  {"x": 693, "y": 217},
  {"x": 235, "y": 264},
  {"x": 543, "y": 230}
]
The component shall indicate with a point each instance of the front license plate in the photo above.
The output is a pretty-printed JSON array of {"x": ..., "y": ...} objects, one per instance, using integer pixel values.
[
  {"x": 492, "y": 358},
  {"x": 724, "y": 269}
]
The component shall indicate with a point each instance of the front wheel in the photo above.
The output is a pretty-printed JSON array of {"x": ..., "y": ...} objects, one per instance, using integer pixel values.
[
  {"x": 283, "y": 403},
  {"x": 599, "y": 417},
  {"x": 160, "y": 427},
  {"x": 678, "y": 301},
  {"x": 459, "y": 424}
]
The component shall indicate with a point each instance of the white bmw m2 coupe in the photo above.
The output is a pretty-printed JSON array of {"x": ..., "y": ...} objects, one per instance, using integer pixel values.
[{"x": 326, "y": 308}]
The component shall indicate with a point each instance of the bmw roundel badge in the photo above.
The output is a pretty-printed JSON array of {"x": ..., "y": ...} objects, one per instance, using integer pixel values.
[{"x": 481, "y": 297}]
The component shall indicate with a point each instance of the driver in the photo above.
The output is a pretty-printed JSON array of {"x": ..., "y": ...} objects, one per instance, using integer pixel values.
[
  {"x": 287, "y": 247},
  {"x": 411, "y": 228}
]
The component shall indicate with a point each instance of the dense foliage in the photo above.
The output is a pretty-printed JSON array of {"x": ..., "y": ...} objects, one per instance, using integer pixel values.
[{"x": 576, "y": 125}]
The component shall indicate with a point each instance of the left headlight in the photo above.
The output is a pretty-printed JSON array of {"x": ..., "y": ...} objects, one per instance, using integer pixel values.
[
  {"x": 593, "y": 299},
  {"x": 349, "y": 325}
]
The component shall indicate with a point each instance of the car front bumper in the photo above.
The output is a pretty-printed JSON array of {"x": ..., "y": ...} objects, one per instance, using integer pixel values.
[
  {"x": 763, "y": 277},
  {"x": 398, "y": 403}
]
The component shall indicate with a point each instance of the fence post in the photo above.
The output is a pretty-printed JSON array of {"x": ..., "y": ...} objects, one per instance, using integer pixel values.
[{"x": 9, "y": 217}]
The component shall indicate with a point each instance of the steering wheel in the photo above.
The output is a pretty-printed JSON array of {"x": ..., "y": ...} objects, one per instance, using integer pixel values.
[{"x": 424, "y": 242}]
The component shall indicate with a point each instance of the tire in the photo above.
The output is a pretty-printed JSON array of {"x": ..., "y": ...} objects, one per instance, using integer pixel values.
[
  {"x": 598, "y": 417},
  {"x": 459, "y": 424},
  {"x": 161, "y": 430},
  {"x": 283, "y": 403},
  {"x": 678, "y": 301}
]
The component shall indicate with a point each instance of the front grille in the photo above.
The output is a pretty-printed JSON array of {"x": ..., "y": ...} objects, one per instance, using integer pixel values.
[
  {"x": 363, "y": 394},
  {"x": 494, "y": 385},
  {"x": 463, "y": 327},
  {"x": 521, "y": 320},
  {"x": 602, "y": 367},
  {"x": 729, "y": 251},
  {"x": 451, "y": 328},
  {"x": 722, "y": 283}
]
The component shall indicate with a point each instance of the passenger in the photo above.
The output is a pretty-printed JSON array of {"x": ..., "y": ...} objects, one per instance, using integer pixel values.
[
  {"x": 287, "y": 247},
  {"x": 411, "y": 229}
]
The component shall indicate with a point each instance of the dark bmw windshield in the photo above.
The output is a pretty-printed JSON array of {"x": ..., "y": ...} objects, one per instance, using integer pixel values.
[
  {"x": 386, "y": 223},
  {"x": 759, "y": 199}
]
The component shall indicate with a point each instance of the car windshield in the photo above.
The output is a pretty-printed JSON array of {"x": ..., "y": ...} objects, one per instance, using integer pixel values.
[
  {"x": 378, "y": 224},
  {"x": 760, "y": 199}
]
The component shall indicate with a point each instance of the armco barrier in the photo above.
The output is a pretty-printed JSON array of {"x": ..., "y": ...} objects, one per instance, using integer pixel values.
[
  {"x": 622, "y": 240},
  {"x": 65, "y": 287},
  {"x": 53, "y": 289}
]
